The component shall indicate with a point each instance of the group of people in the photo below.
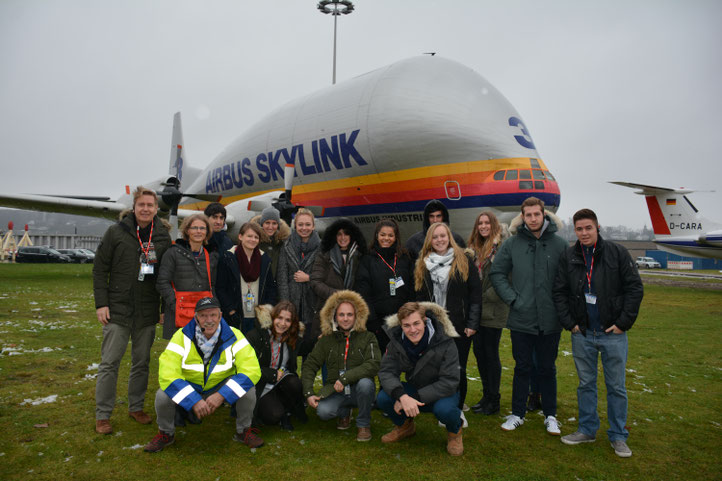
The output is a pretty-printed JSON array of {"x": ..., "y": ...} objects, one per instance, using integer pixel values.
[{"x": 238, "y": 316}]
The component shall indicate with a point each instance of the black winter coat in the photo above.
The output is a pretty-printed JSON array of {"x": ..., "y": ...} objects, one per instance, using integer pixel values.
[
  {"x": 463, "y": 297},
  {"x": 132, "y": 303},
  {"x": 435, "y": 375},
  {"x": 616, "y": 281},
  {"x": 260, "y": 339},
  {"x": 372, "y": 282},
  {"x": 228, "y": 284},
  {"x": 188, "y": 273}
]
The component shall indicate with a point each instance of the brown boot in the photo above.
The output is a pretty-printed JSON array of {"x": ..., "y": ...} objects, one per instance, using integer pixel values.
[
  {"x": 364, "y": 434},
  {"x": 406, "y": 430},
  {"x": 140, "y": 416},
  {"x": 102, "y": 426},
  {"x": 455, "y": 445}
]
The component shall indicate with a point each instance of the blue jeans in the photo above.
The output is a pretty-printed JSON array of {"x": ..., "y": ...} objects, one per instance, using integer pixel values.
[
  {"x": 338, "y": 405},
  {"x": 445, "y": 409},
  {"x": 545, "y": 346},
  {"x": 613, "y": 348}
]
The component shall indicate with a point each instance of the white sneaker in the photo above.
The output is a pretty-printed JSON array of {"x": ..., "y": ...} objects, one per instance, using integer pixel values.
[
  {"x": 512, "y": 422},
  {"x": 552, "y": 425},
  {"x": 466, "y": 408}
]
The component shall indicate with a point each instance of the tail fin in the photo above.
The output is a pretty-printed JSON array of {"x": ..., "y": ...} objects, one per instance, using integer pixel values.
[
  {"x": 672, "y": 213},
  {"x": 175, "y": 168}
]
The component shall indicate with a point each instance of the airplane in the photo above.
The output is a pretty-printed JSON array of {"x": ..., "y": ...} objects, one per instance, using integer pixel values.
[
  {"x": 379, "y": 145},
  {"x": 678, "y": 226}
]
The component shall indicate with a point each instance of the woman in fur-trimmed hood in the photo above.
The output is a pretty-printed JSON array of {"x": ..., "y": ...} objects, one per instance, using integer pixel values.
[
  {"x": 276, "y": 340},
  {"x": 422, "y": 347}
]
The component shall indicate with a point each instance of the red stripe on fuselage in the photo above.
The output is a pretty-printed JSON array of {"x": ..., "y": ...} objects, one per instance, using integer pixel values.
[{"x": 659, "y": 225}]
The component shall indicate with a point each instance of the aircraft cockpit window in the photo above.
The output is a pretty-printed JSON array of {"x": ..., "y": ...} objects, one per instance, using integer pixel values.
[
  {"x": 524, "y": 174},
  {"x": 525, "y": 184},
  {"x": 538, "y": 185},
  {"x": 538, "y": 174},
  {"x": 549, "y": 175},
  {"x": 534, "y": 163},
  {"x": 511, "y": 175},
  {"x": 499, "y": 175}
]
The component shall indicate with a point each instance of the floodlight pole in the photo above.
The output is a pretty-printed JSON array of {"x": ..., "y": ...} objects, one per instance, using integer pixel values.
[{"x": 340, "y": 7}]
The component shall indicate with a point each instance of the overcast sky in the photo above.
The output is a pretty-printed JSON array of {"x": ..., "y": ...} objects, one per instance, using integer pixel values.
[{"x": 610, "y": 90}]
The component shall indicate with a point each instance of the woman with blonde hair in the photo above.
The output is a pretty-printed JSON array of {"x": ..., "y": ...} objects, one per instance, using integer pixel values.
[
  {"x": 295, "y": 264},
  {"x": 485, "y": 239},
  {"x": 444, "y": 275}
]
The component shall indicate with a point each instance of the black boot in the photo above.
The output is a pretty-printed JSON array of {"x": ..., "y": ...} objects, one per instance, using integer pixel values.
[
  {"x": 534, "y": 401},
  {"x": 492, "y": 406},
  {"x": 478, "y": 406},
  {"x": 286, "y": 422}
]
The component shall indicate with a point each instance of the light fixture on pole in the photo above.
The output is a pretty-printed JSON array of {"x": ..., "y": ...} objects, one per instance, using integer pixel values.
[{"x": 335, "y": 8}]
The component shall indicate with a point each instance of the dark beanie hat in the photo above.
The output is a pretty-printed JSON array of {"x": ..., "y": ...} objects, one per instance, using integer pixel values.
[{"x": 270, "y": 213}]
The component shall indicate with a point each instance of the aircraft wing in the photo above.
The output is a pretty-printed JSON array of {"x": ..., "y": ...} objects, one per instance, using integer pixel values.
[{"x": 92, "y": 207}]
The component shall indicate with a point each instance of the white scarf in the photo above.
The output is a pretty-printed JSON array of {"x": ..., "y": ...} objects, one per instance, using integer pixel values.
[{"x": 439, "y": 267}]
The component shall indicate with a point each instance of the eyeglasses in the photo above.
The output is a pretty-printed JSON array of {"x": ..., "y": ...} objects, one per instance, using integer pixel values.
[{"x": 198, "y": 227}]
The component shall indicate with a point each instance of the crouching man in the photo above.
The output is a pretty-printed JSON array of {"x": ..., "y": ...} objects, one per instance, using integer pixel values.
[
  {"x": 352, "y": 357},
  {"x": 206, "y": 363},
  {"x": 421, "y": 346}
]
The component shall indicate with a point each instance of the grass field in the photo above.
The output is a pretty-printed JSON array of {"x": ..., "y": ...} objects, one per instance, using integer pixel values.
[{"x": 50, "y": 342}]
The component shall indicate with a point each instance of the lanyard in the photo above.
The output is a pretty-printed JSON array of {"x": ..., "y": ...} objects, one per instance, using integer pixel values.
[
  {"x": 275, "y": 357},
  {"x": 345, "y": 354},
  {"x": 591, "y": 267},
  {"x": 147, "y": 249},
  {"x": 393, "y": 269}
]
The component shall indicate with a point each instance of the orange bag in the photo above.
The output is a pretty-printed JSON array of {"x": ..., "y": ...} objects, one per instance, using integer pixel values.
[{"x": 185, "y": 301}]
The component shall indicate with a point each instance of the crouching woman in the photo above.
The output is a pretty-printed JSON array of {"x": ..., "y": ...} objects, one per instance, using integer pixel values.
[
  {"x": 421, "y": 345},
  {"x": 276, "y": 340}
]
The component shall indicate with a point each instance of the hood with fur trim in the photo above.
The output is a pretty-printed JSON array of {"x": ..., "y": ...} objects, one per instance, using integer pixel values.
[
  {"x": 328, "y": 313},
  {"x": 282, "y": 233},
  {"x": 517, "y": 221},
  {"x": 329, "y": 235},
  {"x": 263, "y": 316},
  {"x": 438, "y": 312}
]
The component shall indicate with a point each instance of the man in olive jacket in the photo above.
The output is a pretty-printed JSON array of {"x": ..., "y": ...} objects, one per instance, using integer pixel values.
[
  {"x": 127, "y": 303},
  {"x": 531, "y": 257},
  {"x": 598, "y": 292},
  {"x": 352, "y": 357}
]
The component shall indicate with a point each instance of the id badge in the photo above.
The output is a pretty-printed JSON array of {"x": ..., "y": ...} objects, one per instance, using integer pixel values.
[
  {"x": 250, "y": 301},
  {"x": 392, "y": 286},
  {"x": 146, "y": 268},
  {"x": 591, "y": 298},
  {"x": 399, "y": 282},
  {"x": 347, "y": 388}
]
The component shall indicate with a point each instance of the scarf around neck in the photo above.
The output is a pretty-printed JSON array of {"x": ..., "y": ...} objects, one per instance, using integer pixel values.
[
  {"x": 250, "y": 270},
  {"x": 439, "y": 267},
  {"x": 344, "y": 267},
  {"x": 302, "y": 249},
  {"x": 206, "y": 345}
]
